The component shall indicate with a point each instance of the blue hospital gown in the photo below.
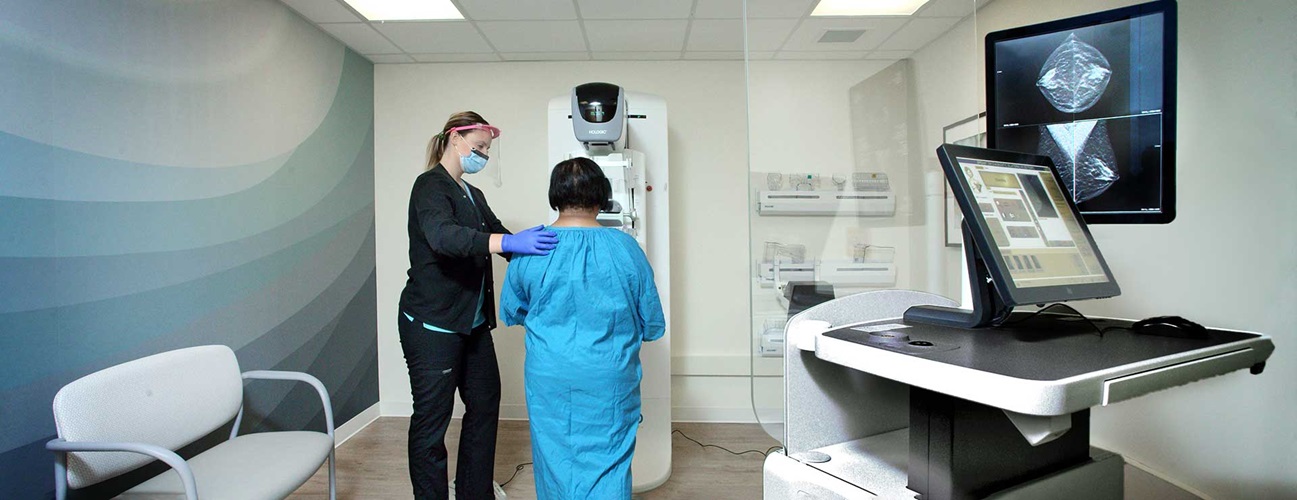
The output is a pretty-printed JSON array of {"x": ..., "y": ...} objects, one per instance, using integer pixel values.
[{"x": 586, "y": 306}]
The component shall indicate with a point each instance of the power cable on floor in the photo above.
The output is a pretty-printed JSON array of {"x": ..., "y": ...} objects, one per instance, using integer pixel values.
[
  {"x": 519, "y": 468},
  {"x": 516, "y": 470},
  {"x": 727, "y": 450}
]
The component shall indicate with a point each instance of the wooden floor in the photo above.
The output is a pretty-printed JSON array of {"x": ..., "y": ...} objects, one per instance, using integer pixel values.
[{"x": 372, "y": 464}]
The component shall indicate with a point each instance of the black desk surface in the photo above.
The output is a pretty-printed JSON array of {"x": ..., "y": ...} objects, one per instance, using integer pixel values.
[{"x": 1046, "y": 347}]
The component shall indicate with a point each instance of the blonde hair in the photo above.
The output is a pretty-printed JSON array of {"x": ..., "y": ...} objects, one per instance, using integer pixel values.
[{"x": 437, "y": 146}]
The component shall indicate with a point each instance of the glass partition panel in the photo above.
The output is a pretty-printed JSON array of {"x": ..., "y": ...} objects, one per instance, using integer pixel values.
[{"x": 845, "y": 111}]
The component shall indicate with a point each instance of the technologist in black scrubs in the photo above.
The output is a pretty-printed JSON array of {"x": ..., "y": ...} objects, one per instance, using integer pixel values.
[{"x": 448, "y": 310}]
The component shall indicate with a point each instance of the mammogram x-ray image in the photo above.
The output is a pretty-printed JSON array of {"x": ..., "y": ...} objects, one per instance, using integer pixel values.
[
  {"x": 1075, "y": 76},
  {"x": 1083, "y": 155}
]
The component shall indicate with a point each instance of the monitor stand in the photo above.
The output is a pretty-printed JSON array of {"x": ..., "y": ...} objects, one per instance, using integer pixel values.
[{"x": 987, "y": 303}]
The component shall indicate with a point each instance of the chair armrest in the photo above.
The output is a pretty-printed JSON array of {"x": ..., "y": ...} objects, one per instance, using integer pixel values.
[
  {"x": 294, "y": 376},
  {"x": 167, "y": 456}
]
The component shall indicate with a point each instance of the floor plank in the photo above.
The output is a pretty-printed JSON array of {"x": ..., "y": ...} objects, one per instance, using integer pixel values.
[{"x": 372, "y": 464}]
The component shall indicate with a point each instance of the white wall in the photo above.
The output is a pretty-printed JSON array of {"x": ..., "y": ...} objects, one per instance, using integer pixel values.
[
  {"x": 1228, "y": 260},
  {"x": 708, "y": 192}
]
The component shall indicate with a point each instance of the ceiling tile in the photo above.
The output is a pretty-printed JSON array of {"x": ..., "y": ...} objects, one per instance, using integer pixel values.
[
  {"x": 534, "y": 36},
  {"x": 637, "y": 56},
  {"x": 434, "y": 37},
  {"x": 819, "y": 56},
  {"x": 725, "y": 34},
  {"x": 636, "y": 36},
  {"x": 918, "y": 33},
  {"x": 715, "y": 55},
  {"x": 324, "y": 11},
  {"x": 438, "y": 58},
  {"x": 545, "y": 56},
  {"x": 360, "y": 37},
  {"x": 719, "y": 9},
  {"x": 946, "y": 8},
  {"x": 635, "y": 9},
  {"x": 768, "y": 34},
  {"x": 529, "y": 10},
  {"x": 389, "y": 58},
  {"x": 889, "y": 55},
  {"x": 757, "y": 9},
  {"x": 728, "y": 55},
  {"x": 877, "y": 29}
]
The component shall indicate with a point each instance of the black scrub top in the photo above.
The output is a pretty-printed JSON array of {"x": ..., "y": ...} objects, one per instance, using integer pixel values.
[{"x": 450, "y": 254}]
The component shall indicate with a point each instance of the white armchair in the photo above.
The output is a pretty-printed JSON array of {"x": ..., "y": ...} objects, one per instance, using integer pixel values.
[{"x": 120, "y": 418}]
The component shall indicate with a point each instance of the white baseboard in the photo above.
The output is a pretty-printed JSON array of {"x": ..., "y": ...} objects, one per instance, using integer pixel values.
[
  {"x": 396, "y": 408},
  {"x": 708, "y": 414},
  {"x": 513, "y": 412},
  {"x": 713, "y": 415},
  {"x": 725, "y": 415},
  {"x": 1167, "y": 479},
  {"x": 344, "y": 432},
  {"x": 406, "y": 408},
  {"x": 726, "y": 366}
]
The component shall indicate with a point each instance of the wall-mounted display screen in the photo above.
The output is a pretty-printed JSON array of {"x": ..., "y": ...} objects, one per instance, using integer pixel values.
[{"x": 1096, "y": 94}]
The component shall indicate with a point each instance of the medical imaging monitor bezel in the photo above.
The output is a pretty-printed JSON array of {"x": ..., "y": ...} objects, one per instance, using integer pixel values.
[
  {"x": 1167, "y": 10},
  {"x": 984, "y": 243}
]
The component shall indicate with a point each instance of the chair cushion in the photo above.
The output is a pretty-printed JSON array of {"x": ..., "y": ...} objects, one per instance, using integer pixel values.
[
  {"x": 268, "y": 465},
  {"x": 169, "y": 400}
]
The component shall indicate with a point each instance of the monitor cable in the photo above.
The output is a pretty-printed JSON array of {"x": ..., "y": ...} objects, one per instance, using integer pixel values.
[
  {"x": 1099, "y": 330},
  {"x": 1002, "y": 315}
]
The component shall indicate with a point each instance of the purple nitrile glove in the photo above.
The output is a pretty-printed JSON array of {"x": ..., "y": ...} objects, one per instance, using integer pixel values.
[{"x": 534, "y": 241}]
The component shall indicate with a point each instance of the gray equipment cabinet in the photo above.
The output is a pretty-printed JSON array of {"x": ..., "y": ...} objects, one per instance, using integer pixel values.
[{"x": 876, "y": 408}]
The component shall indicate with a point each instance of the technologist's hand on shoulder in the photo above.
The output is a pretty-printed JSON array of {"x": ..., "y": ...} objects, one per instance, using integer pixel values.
[{"x": 533, "y": 241}]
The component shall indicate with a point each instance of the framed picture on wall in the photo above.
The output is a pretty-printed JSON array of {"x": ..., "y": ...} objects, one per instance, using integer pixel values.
[{"x": 970, "y": 131}]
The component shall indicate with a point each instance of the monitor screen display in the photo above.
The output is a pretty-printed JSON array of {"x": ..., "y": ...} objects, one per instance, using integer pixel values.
[
  {"x": 1026, "y": 228},
  {"x": 1096, "y": 94}
]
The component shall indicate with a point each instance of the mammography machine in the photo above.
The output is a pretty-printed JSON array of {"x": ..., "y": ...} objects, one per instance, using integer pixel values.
[{"x": 626, "y": 134}]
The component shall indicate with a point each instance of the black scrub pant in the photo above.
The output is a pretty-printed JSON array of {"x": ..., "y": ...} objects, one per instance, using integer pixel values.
[{"x": 439, "y": 363}]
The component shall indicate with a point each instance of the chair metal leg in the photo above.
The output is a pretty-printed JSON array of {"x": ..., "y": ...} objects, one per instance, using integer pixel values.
[
  {"x": 333, "y": 487},
  {"x": 238, "y": 420},
  {"x": 60, "y": 476}
]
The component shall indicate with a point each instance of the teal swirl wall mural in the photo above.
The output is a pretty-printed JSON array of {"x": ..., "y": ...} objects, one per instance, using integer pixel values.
[{"x": 176, "y": 174}]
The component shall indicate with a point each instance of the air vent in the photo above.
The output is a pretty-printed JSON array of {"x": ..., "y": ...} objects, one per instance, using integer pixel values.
[{"x": 841, "y": 36}]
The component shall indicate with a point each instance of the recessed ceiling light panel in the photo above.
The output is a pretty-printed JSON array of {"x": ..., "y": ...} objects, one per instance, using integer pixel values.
[
  {"x": 405, "y": 10},
  {"x": 867, "y": 7}
]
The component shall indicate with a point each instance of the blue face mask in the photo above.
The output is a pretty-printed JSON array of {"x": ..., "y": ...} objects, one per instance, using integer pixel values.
[{"x": 473, "y": 162}]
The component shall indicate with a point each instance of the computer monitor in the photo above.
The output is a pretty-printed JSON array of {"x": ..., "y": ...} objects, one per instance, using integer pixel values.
[
  {"x": 1096, "y": 94},
  {"x": 1024, "y": 237}
]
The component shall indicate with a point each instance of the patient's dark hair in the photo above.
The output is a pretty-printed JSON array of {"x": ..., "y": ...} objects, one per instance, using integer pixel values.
[{"x": 578, "y": 183}]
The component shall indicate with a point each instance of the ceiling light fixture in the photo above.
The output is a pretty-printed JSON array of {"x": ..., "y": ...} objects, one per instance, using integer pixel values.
[
  {"x": 405, "y": 10},
  {"x": 828, "y": 8}
]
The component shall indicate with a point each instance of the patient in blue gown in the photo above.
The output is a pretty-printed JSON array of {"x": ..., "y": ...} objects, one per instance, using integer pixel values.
[{"x": 586, "y": 307}]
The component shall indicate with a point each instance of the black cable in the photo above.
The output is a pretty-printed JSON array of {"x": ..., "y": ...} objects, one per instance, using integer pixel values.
[
  {"x": 519, "y": 468},
  {"x": 1039, "y": 311},
  {"x": 727, "y": 450},
  {"x": 1075, "y": 313},
  {"x": 516, "y": 470},
  {"x": 1002, "y": 315}
]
